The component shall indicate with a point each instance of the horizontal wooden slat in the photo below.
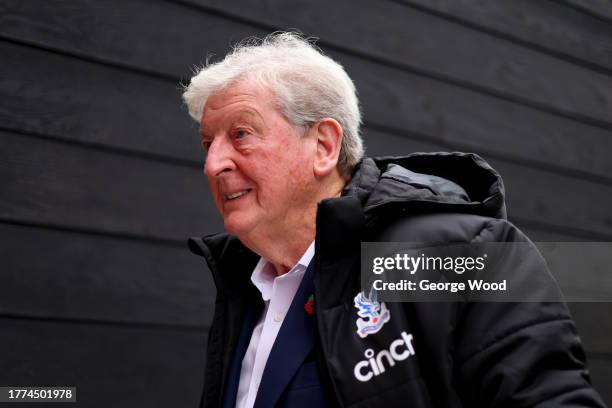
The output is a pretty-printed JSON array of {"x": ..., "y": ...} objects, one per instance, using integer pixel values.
[
  {"x": 60, "y": 184},
  {"x": 599, "y": 8},
  {"x": 549, "y": 198},
  {"x": 455, "y": 118},
  {"x": 68, "y": 275},
  {"x": 434, "y": 46},
  {"x": 111, "y": 366},
  {"x": 155, "y": 36},
  {"x": 559, "y": 29},
  {"x": 53, "y": 95},
  {"x": 532, "y": 195}
]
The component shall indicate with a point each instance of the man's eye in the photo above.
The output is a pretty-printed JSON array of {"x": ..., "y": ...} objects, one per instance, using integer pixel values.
[{"x": 240, "y": 133}]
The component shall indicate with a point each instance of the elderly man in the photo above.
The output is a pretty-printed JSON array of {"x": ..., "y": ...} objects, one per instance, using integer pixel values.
[{"x": 279, "y": 122}]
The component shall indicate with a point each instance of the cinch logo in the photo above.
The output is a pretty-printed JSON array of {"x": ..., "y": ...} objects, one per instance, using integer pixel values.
[{"x": 399, "y": 350}]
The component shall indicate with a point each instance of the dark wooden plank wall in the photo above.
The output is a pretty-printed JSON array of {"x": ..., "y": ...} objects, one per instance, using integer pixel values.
[{"x": 100, "y": 169}]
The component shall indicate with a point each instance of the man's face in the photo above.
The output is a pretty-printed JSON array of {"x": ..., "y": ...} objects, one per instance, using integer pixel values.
[{"x": 258, "y": 165}]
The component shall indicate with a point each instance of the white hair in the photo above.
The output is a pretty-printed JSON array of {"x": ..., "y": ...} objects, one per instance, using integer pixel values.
[{"x": 308, "y": 85}]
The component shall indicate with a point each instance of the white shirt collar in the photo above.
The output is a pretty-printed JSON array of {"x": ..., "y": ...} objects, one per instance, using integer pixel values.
[{"x": 264, "y": 273}]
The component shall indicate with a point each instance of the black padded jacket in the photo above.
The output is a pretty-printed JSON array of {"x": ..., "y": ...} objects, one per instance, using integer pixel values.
[{"x": 465, "y": 354}]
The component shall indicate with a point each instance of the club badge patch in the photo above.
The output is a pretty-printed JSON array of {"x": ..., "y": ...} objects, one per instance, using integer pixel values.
[{"x": 372, "y": 314}]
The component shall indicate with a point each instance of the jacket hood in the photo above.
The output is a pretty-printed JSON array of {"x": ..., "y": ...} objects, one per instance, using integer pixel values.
[{"x": 427, "y": 182}]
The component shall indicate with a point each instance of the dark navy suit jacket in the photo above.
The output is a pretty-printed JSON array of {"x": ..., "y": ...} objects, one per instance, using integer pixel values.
[{"x": 291, "y": 377}]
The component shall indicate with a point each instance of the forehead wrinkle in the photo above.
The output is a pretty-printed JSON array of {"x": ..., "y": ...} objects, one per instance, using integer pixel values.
[{"x": 245, "y": 112}]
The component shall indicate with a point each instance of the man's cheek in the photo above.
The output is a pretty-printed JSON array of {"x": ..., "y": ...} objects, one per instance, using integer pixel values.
[{"x": 218, "y": 199}]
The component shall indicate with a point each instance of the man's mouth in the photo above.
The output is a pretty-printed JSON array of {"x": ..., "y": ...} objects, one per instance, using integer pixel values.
[{"x": 237, "y": 194}]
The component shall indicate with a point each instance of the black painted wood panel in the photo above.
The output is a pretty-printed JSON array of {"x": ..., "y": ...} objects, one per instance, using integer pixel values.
[
  {"x": 597, "y": 8},
  {"x": 152, "y": 36},
  {"x": 594, "y": 325},
  {"x": 52, "y": 95},
  {"x": 461, "y": 118},
  {"x": 427, "y": 44},
  {"x": 59, "y": 184},
  {"x": 111, "y": 366},
  {"x": 48, "y": 273},
  {"x": 100, "y": 166},
  {"x": 385, "y": 103},
  {"x": 61, "y": 106},
  {"x": 532, "y": 195},
  {"x": 549, "y": 26}
]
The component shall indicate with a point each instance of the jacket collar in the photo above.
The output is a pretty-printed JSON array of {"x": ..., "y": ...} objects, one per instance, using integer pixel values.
[{"x": 231, "y": 264}]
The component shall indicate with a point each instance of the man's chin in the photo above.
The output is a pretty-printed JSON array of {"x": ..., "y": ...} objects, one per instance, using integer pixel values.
[{"x": 236, "y": 225}]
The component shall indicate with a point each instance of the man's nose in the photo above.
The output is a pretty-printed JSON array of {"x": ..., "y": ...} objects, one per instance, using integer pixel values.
[{"x": 219, "y": 157}]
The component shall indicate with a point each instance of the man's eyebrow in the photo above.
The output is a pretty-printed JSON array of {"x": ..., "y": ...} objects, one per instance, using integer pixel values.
[
  {"x": 205, "y": 131},
  {"x": 233, "y": 117}
]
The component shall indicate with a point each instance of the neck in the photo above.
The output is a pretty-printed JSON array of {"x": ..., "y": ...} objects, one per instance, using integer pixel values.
[{"x": 284, "y": 248}]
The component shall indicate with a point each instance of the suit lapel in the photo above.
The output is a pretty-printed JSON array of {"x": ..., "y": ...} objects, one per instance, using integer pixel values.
[
  {"x": 295, "y": 340},
  {"x": 233, "y": 379}
]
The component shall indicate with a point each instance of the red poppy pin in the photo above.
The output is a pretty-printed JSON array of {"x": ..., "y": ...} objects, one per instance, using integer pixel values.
[{"x": 310, "y": 304}]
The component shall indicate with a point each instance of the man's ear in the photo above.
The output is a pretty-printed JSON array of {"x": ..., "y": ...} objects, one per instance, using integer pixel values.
[{"x": 328, "y": 133}]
